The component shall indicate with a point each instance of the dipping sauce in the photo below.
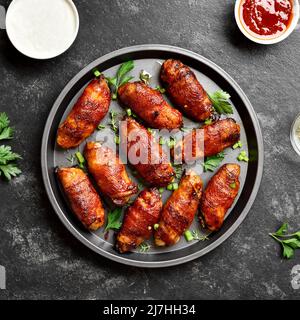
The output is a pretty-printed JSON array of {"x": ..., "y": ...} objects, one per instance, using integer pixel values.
[
  {"x": 267, "y": 18},
  {"x": 42, "y": 29}
]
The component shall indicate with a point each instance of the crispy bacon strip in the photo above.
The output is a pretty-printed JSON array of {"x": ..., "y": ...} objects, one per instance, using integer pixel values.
[
  {"x": 139, "y": 220},
  {"x": 86, "y": 114},
  {"x": 149, "y": 105},
  {"x": 82, "y": 197},
  {"x": 219, "y": 195},
  {"x": 179, "y": 211},
  {"x": 185, "y": 91},
  {"x": 109, "y": 173},
  {"x": 145, "y": 154},
  {"x": 214, "y": 139}
]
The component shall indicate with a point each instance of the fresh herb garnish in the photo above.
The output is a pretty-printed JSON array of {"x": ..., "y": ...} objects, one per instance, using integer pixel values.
[
  {"x": 237, "y": 145},
  {"x": 172, "y": 142},
  {"x": 128, "y": 112},
  {"x": 97, "y": 73},
  {"x": 114, "y": 121},
  {"x": 208, "y": 121},
  {"x": 178, "y": 170},
  {"x": 161, "y": 190},
  {"x": 6, "y": 167},
  {"x": 232, "y": 185},
  {"x": 101, "y": 127},
  {"x": 194, "y": 235},
  {"x": 160, "y": 89},
  {"x": 156, "y": 226},
  {"x": 6, "y": 132},
  {"x": 114, "y": 219},
  {"x": 220, "y": 102},
  {"x": 172, "y": 186},
  {"x": 211, "y": 163},
  {"x": 145, "y": 77},
  {"x": 162, "y": 141},
  {"x": 121, "y": 78},
  {"x": 80, "y": 159},
  {"x": 144, "y": 247},
  {"x": 289, "y": 242},
  {"x": 243, "y": 156},
  {"x": 71, "y": 158}
]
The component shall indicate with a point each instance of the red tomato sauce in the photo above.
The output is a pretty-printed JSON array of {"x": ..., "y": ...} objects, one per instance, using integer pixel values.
[{"x": 267, "y": 17}]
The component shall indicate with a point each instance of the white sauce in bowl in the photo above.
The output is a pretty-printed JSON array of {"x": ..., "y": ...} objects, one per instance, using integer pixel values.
[{"x": 42, "y": 29}]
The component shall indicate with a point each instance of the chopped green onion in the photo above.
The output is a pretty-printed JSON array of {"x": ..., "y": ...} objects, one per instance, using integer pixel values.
[
  {"x": 208, "y": 121},
  {"x": 232, "y": 185},
  {"x": 237, "y": 145},
  {"x": 243, "y": 156},
  {"x": 161, "y": 190},
  {"x": 160, "y": 89},
  {"x": 156, "y": 226},
  {"x": 145, "y": 77},
  {"x": 170, "y": 187},
  {"x": 129, "y": 112},
  {"x": 150, "y": 130},
  {"x": 97, "y": 73},
  {"x": 80, "y": 159},
  {"x": 188, "y": 236},
  {"x": 162, "y": 141},
  {"x": 114, "y": 96},
  {"x": 117, "y": 139},
  {"x": 175, "y": 186},
  {"x": 101, "y": 126}
]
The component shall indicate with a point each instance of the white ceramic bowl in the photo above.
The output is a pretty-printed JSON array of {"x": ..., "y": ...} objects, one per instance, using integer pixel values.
[
  {"x": 260, "y": 39},
  {"x": 48, "y": 27},
  {"x": 295, "y": 140}
]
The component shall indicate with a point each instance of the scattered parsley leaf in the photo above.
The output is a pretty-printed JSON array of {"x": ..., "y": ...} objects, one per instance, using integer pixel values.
[
  {"x": 113, "y": 123},
  {"x": 289, "y": 242},
  {"x": 220, "y": 102},
  {"x": 7, "y": 133},
  {"x": 6, "y": 155},
  {"x": 282, "y": 230},
  {"x": 10, "y": 170},
  {"x": 211, "y": 163},
  {"x": 4, "y": 121},
  {"x": 114, "y": 219},
  {"x": 178, "y": 171}
]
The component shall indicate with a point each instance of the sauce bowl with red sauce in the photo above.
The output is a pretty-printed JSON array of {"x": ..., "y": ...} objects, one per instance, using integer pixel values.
[{"x": 267, "y": 21}]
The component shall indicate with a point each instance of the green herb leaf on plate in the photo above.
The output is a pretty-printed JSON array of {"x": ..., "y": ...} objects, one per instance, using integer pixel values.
[
  {"x": 145, "y": 77},
  {"x": 211, "y": 163},
  {"x": 160, "y": 89},
  {"x": 220, "y": 101},
  {"x": 114, "y": 219},
  {"x": 144, "y": 247}
]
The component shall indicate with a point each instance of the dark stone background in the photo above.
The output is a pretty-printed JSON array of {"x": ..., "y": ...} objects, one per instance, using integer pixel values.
[{"x": 44, "y": 261}]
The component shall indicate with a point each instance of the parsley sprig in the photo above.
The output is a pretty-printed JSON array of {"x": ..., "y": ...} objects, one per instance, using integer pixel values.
[
  {"x": 114, "y": 219},
  {"x": 289, "y": 242},
  {"x": 8, "y": 168},
  {"x": 6, "y": 132},
  {"x": 121, "y": 78},
  {"x": 220, "y": 101},
  {"x": 144, "y": 247},
  {"x": 211, "y": 163}
]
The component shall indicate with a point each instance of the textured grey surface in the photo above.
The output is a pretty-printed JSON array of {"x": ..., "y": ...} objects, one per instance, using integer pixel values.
[{"x": 44, "y": 261}]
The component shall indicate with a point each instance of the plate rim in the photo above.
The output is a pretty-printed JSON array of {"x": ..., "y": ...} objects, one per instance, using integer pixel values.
[{"x": 123, "y": 259}]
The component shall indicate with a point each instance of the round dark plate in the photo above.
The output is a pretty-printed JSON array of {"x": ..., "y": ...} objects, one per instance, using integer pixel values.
[{"x": 212, "y": 77}]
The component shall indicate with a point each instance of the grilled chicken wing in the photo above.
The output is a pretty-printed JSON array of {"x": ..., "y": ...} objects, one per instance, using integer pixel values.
[
  {"x": 150, "y": 106},
  {"x": 82, "y": 197},
  {"x": 219, "y": 195},
  {"x": 109, "y": 173},
  {"x": 179, "y": 211},
  {"x": 86, "y": 114},
  {"x": 185, "y": 90},
  {"x": 214, "y": 139},
  {"x": 139, "y": 220},
  {"x": 145, "y": 154}
]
